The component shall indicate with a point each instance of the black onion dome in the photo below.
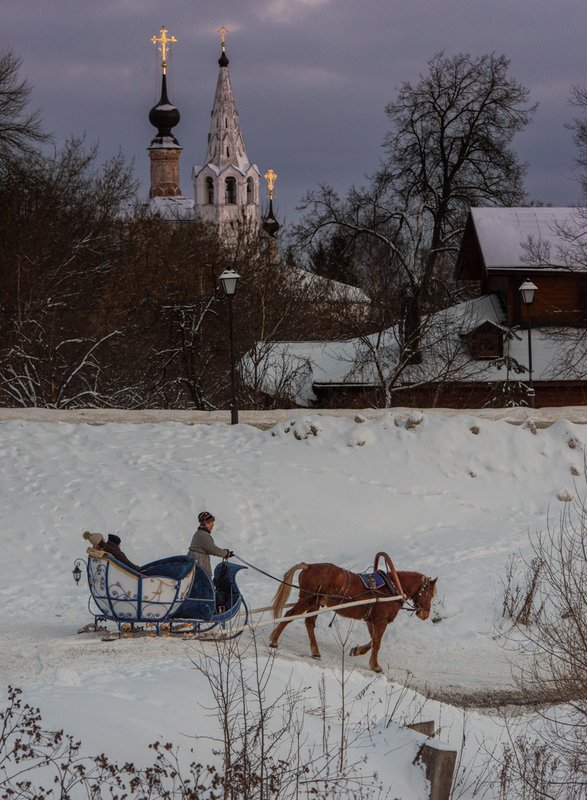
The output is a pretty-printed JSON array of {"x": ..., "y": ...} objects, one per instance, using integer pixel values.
[
  {"x": 164, "y": 116},
  {"x": 223, "y": 60},
  {"x": 270, "y": 224}
]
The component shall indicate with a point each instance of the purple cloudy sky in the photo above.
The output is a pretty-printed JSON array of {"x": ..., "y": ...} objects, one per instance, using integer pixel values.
[{"x": 311, "y": 77}]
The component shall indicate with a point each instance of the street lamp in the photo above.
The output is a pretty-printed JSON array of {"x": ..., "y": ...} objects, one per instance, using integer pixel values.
[
  {"x": 528, "y": 290},
  {"x": 229, "y": 280}
]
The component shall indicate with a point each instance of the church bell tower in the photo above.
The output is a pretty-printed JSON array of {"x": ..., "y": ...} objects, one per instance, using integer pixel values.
[{"x": 226, "y": 187}]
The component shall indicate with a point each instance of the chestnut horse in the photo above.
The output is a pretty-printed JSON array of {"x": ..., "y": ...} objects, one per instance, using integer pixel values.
[{"x": 329, "y": 585}]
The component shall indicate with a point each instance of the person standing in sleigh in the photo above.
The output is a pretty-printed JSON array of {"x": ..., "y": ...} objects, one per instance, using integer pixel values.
[{"x": 203, "y": 546}]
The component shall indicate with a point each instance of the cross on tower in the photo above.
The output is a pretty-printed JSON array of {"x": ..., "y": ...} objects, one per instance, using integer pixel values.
[
  {"x": 223, "y": 31},
  {"x": 164, "y": 41},
  {"x": 270, "y": 176}
]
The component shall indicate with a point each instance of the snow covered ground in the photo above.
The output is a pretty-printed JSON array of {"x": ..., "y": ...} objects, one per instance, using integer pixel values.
[{"x": 452, "y": 495}]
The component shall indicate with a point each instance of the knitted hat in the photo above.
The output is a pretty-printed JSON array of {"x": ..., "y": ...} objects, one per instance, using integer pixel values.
[
  {"x": 113, "y": 539},
  {"x": 95, "y": 539},
  {"x": 205, "y": 516}
]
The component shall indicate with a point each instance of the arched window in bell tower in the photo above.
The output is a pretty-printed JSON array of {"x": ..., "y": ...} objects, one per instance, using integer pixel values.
[
  {"x": 230, "y": 191},
  {"x": 209, "y": 191},
  {"x": 250, "y": 190}
]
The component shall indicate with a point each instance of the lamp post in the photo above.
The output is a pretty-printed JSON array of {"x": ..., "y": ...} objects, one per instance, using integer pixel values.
[
  {"x": 229, "y": 280},
  {"x": 528, "y": 290}
]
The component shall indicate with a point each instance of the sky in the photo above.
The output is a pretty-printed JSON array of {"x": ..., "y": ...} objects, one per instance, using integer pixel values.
[
  {"x": 451, "y": 495},
  {"x": 311, "y": 77}
]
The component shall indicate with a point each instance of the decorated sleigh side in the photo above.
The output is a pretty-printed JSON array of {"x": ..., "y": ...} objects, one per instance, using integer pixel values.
[{"x": 173, "y": 592}]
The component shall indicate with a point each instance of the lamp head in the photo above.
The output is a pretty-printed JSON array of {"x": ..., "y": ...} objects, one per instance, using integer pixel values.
[
  {"x": 229, "y": 279},
  {"x": 76, "y": 572},
  {"x": 528, "y": 290}
]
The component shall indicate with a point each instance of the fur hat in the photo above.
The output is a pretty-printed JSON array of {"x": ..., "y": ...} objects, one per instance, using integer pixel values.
[
  {"x": 95, "y": 539},
  {"x": 113, "y": 539}
]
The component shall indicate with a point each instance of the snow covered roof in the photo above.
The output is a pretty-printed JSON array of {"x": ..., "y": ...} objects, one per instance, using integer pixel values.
[
  {"x": 503, "y": 232},
  {"x": 445, "y": 356},
  {"x": 338, "y": 292},
  {"x": 173, "y": 209}
]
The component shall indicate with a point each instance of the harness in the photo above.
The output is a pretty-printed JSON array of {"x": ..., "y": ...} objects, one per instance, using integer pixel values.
[
  {"x": 373, "y": 582},
  {"x": 376, "y": 580},
  {"x": 422, "y": 588}
]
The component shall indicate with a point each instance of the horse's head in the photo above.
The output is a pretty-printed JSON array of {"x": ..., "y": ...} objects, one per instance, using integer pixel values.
[{"x": 422, "y": 599}]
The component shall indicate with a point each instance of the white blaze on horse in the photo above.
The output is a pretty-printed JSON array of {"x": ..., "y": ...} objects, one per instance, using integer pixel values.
[{"x": 329, "y": 585}]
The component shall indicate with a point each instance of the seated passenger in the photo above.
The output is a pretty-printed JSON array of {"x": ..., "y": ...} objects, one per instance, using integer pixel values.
[{"x": 110, "y": 545}]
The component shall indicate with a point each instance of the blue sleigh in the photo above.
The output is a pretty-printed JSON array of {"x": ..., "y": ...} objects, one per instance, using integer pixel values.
[{"x": 172, "y": 595}]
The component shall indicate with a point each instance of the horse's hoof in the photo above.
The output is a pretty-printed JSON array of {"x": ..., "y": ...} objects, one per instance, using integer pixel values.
[
  {"x": 317, "y": 657},
  {"x": 274, "y": 646},
  {"x": 353, "y": 651},
  {"x": 376, "y": 669}
]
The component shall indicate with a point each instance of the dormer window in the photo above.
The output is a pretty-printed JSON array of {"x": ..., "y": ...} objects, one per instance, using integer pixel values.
[{"x": 485, "y": 342}]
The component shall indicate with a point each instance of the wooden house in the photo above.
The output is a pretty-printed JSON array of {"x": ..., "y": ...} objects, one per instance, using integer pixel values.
[
  {"x": 503, "y": 247},
  {"x": 479, "y": 352}
]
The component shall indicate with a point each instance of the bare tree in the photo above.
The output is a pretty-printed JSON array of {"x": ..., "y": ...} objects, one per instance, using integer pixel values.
[
  {"x": 450, "y": 147},
  {"x": 570, "y": 253},
  {"x": 61, "y": 234},
  {"x": 554, "y": 632},
  {"x": 21, "y": 130},
  {"x": 579, "y": 128}
]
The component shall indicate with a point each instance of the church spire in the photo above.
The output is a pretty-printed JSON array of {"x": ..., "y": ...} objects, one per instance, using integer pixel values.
[
  {"x": 164, "y": 149},
  {"x": 225, "y": 141},
  {"x": 227, "y": 185}
]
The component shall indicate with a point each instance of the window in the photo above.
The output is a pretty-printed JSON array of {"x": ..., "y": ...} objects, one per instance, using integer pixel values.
[
  {"x": 250, "y": 191},
  {"x": 210, "y": 190},
  {"x": 486, "y": 342},
  {"x": 230, "y": 191}
]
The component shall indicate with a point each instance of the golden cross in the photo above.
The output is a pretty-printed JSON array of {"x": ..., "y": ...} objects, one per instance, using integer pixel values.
[
  {"x": 223, "y": 31},
  {"x": 270, "y": 177},
  {"x": 164, "y": 41}
]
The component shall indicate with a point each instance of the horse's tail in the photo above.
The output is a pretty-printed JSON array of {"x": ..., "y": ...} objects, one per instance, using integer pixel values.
[{"x": 282, "y": 594}]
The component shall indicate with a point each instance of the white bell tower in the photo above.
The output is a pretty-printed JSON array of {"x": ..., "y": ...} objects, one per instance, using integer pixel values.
[{"x": 226, "y": 187}]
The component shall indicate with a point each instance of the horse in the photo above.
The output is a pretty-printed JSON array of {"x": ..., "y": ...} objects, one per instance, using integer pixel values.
[{"x": 329, "y": 585}]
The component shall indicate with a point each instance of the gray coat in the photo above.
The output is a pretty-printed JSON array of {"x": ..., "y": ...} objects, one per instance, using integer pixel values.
[{"x": 202, "y": 547}]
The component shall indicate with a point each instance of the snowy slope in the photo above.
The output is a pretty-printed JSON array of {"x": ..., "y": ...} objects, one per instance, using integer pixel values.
[{"x": 452, "y": 496}]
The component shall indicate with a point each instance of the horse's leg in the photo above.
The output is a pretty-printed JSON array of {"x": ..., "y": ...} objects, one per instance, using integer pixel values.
[
  {"x": 301, "y": 606},
  {"x": 361, "y": 649},
  {"x": 310, "y": 628},
  {"x": 377, "y": 631}
]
